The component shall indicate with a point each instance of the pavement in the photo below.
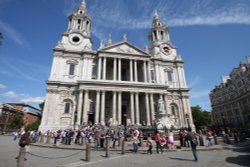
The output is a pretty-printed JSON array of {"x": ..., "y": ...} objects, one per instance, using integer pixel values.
[{"x": 48, "y": 155}]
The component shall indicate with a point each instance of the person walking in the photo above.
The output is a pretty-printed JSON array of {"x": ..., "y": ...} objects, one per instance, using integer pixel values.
[
  {"x": 135, "y": 140},
  {"x": 171, "y": 139},
  {"x": 191, "y": 136},
  {"x": 209, "y": 138},
  {"x": 150, "y": 144},
  {"x": 157, "y": 141},
  {"x": 24, "y": 141}
]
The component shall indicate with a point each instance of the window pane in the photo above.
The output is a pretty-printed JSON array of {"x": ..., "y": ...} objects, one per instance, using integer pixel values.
[
  {"x": 67, "y": 108},
  {"x": 71, "y": 69},
  {"x": 170, "y": 76}
]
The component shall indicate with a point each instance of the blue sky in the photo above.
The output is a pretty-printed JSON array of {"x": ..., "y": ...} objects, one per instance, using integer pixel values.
[{"x": 212, "y": 36}]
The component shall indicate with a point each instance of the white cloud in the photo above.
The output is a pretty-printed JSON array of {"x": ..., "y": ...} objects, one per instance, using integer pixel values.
[
  {"x": 194, "y": 81},
  {"x": 10, "y": 32},
  {"x": 33, "y": 100},
  {"x": 199, "y": 94},
  {"x": 2, "y": 86},
  {"x": 17, "y": 70},
  {"x": 10, "y": 94}
]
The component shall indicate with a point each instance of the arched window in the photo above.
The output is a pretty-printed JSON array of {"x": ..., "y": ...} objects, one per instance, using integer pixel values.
[
  {"x": 67, "y": 108},
  {"x": 173, "y": 111}
]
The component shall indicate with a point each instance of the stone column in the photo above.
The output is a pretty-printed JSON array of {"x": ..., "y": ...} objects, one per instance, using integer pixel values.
[
  {"x": 147, "y": 110},
  {"x": 137, "y": 108},
  {"x": 166, "y": 104},
  {"x": 86, "y": 106},
  {"x": 115, "y": 69},
  {"x": 114, "y": 120},
  {"x": 119, "y": 117},
  {"x": 145, "y": 71},
  {"x": 135, "y": 66},
  {"x": 103, "y": 107},
  {"x": 99, "y": 68},
  {"x": 152, "y": 107},
  {"x": 132, "y": 108},
  {"x": 131, "y": 70},
  {"x": 97, "y": 106},
  {"x": 149, "y": 73},
  {"x": 104, "y": 68},
  {"x": 79, "y": 109},
  {"x": 119, "y": 69}
]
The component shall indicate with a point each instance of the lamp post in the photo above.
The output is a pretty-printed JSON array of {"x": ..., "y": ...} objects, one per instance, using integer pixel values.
[
  {"x": 75, "y": 119},
  {"x": 187, "y": 117},
  {"x": 1, "y": 37}
]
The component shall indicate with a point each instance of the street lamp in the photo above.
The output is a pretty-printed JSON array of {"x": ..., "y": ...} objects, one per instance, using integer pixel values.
[
  {"x": 187, "y": 117},
  {"x": 1, "y": 37},
  {"x": 75, "y": 119}
]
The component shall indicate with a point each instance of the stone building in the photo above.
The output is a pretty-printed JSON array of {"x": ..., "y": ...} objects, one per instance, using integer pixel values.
[
  {"x": 231, "y": 99},
  {"x": 118, "y": 83}
]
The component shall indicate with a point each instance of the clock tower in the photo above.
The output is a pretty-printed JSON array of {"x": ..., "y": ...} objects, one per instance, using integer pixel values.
[{"x": 77, "y": 36}]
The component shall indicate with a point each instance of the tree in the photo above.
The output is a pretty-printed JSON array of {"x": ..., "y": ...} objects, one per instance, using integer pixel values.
[
  {"x": 16, "y": 121},
  {"x": 201, "y": 117},
  {"x": 34, "y": 125},
  {"x": 41, "y": 105}
]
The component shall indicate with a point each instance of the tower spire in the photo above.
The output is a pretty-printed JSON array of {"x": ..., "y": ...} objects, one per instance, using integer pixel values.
[
  {"x": 156, "y": 16},
  {"x": 83, "y": 4}
]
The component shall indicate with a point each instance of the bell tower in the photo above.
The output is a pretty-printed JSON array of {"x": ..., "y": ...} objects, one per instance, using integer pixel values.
[
  {"x": 159, "y": 31},
  {"x": 160, "y": 45},
  {"x": 77, "y": 36}
]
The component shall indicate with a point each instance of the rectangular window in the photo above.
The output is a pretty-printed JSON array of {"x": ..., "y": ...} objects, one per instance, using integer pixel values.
[
  {"x": 94, "y": 72},
  {"x": 152, "y": 75},
  {"x": 67, "y": 108},
  {"x": 170, "y": 77},
  {"x": 71, "y": 69}
]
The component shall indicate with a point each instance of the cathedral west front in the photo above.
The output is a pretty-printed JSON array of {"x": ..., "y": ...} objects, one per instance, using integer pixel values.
[{"x": 117, "y": 84}]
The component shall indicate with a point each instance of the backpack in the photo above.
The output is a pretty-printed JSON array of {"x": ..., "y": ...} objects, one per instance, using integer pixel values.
[{"x": 22, "y": 143}]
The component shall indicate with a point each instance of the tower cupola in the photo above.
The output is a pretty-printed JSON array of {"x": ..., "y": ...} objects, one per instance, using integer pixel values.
[
  {"x": 79, "y": 21},
  {"x": 159, "y": 31}
]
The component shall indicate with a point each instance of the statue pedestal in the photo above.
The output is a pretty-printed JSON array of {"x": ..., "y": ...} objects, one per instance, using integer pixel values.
[{"x": 167, "y": 121}]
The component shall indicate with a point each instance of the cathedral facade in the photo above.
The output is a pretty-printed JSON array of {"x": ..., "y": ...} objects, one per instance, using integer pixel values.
[{"x": 118, "y": 84}]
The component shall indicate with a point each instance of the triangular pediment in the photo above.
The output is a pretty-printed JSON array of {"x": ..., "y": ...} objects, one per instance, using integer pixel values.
[{"x": 124, "y": 48}]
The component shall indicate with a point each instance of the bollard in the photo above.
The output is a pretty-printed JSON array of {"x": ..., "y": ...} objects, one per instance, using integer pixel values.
[
  {"x": 119, "y": 141},
  {"x": 87, "y": 156},
  {"x": 215, "y": 140},
  {"x": 107, "y": 147},
  {"x": 141, "y": 141},
  {"x": 201, "y": 141},
  {"x": 21, "y": 156},
  {"x": 123, "y": 146}
]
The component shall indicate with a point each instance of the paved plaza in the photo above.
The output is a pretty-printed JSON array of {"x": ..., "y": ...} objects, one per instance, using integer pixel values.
[{"x": 72, "y": 156}]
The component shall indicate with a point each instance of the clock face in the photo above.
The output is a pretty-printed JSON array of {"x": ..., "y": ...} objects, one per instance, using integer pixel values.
[
  {"x": 75, "y": 39},
  {"x": 166, "y": 49}
]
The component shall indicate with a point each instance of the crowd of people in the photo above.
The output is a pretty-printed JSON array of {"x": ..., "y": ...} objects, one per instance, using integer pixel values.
[{"x": 98, "y": 134}]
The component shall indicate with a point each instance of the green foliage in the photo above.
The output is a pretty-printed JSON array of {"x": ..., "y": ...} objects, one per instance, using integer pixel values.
[
  {"x": 33, "y": 126},
  {"x": 16, "y": 121},
  {"x": 41, "y": 105},
  {"x": 201, "y": 117}
]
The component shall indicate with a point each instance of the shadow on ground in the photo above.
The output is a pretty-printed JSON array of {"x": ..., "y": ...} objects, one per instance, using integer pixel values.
[
  {"x": 241, "y": 160},
  {"x": 181, "y": 159}
]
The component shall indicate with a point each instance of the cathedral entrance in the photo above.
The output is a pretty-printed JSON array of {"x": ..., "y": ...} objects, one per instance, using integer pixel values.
[
  {"x": 91, "y": 120},
  {"x": 124, "y": 115}
]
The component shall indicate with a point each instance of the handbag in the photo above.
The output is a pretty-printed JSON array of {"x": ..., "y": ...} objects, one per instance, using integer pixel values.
[
  {"x": 194, "y": 141},
  {"x": 22, "y": 143}
]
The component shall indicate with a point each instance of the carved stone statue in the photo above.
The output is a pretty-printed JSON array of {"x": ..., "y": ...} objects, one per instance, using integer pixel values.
[{"x": 161, "y": 106}]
